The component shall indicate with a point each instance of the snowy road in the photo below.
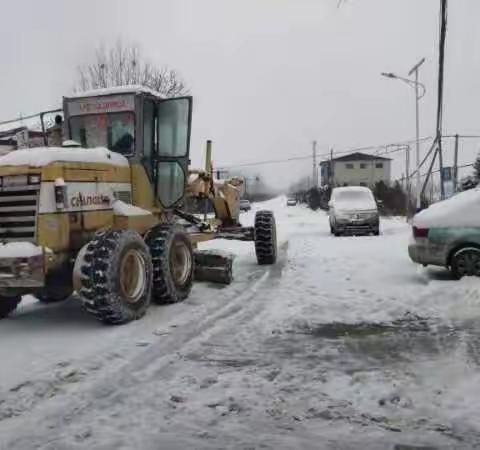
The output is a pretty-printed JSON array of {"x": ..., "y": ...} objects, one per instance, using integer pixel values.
[{"x": 344, "y": 344}]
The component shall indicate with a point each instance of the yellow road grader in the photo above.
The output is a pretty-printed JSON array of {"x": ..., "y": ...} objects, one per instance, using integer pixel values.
[{"x": 103, "y": 215}]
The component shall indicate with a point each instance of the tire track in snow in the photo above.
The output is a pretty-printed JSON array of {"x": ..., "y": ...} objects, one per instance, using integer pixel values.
[{"x": 152, "y": 364}]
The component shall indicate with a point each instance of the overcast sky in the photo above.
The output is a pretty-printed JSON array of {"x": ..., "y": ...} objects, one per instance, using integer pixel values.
[{"x": 268, "y": 76}]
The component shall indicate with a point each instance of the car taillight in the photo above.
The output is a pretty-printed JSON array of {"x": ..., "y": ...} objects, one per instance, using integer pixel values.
[{"x": 420, "y": 232}]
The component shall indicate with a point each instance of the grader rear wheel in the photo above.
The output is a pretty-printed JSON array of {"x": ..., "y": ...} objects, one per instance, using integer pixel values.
[
  {"x": 8, "y": 305},
  {"x": 265, "y": 237},
  {"x": 173, "y": 263},
  {"x": 116, "y": 276}
]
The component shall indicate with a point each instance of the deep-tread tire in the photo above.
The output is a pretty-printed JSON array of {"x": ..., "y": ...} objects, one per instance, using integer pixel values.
[
  {"x": 160, "y": 240},
  {"x": 455, "y": 262},
  {"x": 265, "y": 237},
  {"x": 8, "y": 305},
  {"x": 52, "y": 296},
  {"x": 101, "y": 284},
  {"x": 58, "y": 287}
]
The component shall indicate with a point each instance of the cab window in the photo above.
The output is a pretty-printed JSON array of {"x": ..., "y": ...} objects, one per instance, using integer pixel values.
[
  {"x": 149, "y": 135},
  {"x": 115, "y": 131}
]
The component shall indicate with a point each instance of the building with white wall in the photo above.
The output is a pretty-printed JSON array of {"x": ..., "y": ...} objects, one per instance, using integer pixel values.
[{"x": 356, "y": 169}]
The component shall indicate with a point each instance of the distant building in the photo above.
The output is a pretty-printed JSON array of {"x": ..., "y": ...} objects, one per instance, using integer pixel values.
[
  {"x": 7, "y": 145},
  {"x": 20, "y": 137},
  {"x": 356, "y": 169}
]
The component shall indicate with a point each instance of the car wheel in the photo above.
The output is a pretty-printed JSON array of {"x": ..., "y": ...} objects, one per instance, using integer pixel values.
[{"x": 466, "y": 262}]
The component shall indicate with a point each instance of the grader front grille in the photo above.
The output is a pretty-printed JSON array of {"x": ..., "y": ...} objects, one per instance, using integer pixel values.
[{"x": 18, "y": 213}]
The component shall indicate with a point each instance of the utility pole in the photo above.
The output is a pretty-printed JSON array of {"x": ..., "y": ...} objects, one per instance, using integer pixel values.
[
  {"x": 418, "y": 95},
  {"x": 407, "y": 181},
  {"x": 440, "y": 164},
  {"x": 417, "y": 127},
  {"x": 330, "y": 169},
  {"x": 455, "y": 165},
  {"x": 441, "y": 67},
  {"x": 314, "y": 169},
  {"x": 438, "y": 135}
]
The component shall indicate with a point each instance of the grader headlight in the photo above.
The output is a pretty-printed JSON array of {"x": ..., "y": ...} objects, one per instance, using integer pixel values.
[
  {"x": 60, "y": 193},
  {"x": 34, "y": 179}
]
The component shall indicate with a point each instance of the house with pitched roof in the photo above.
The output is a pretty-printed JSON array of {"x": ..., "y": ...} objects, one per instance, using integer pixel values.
[{"x": 356, "y": 169}]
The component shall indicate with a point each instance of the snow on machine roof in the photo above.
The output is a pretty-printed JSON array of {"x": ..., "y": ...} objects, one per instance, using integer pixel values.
[
  {"x": 43, "y": 156},
  {"x": 129, "y": 89}
]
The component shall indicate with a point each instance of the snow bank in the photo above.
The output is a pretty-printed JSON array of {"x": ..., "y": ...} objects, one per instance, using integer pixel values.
[
  {"x": 43, "y": 156},
  {"x": 462, "y": 210},
  {"x": 19, "y": 250},
  {"x": 129, "y": 89},
  {"x": 124, "y": 209}
]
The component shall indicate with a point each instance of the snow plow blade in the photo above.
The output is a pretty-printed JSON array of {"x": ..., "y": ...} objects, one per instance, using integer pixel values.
[{"x": 215, "y": 267}]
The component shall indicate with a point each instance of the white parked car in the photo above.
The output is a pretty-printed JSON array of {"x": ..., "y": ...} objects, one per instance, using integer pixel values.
[
  {"x": 245, "y": 205},
  {"x": 291, "y": 202},
  {"x": 448, "y": 234},
  {"x": 353, "y": 210}
]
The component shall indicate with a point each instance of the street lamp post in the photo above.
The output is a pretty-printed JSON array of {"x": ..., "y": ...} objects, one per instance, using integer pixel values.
[{"x": 416, "y": 85}]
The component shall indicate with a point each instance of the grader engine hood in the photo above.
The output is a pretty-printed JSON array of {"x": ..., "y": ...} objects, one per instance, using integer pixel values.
[
  {"x": 37, "y": 184},
  {"x": 44, "y": 156}
]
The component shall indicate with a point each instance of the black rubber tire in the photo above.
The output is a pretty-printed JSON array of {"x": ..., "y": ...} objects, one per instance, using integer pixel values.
[
  {"x": 458, "y": 264},
  {"x": 101, "y": 289},
  {"x": 160, "y": 240},
  {"x": 53, "y": 296},
  {"x": 376, "y": 232},
  {"x": 8, "y": 305},
  {"x": 58, "y": 286},
  {"x": 265, "y": 237}
]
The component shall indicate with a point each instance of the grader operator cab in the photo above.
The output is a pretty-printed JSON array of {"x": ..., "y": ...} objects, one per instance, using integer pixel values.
[{"x": 103, "y": 215}]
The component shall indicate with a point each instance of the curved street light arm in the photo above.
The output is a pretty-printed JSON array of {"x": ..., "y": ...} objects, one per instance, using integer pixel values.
[{"x": 411, "y": 83}]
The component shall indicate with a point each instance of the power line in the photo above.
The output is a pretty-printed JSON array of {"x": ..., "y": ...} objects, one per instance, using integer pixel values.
[
  {"x": 433, "y": 171},
  {"x": 327, "y": 155}
]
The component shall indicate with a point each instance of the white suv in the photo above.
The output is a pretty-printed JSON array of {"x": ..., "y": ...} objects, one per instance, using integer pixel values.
[{"x": 353, "y": 210}]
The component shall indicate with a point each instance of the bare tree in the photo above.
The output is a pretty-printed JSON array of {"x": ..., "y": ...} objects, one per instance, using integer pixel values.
[{"x": 123, "y": 65}]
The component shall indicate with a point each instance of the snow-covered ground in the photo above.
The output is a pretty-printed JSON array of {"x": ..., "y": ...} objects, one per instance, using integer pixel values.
[{"x": 344, "y": 343}]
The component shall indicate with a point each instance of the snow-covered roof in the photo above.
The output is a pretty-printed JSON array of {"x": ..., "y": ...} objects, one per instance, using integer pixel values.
[
  {"x": 352, "y": 189},
  {"x": 129, "y": 89},
  {"x": 357, "y": 156},
  {"x": 42, "y": 156},
  {"x": 461, "y": 210}
]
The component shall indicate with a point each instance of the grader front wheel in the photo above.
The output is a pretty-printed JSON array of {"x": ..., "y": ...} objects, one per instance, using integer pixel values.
[
  {"x": 116, "y": 276},
  {"x": 265, "y": 237}
]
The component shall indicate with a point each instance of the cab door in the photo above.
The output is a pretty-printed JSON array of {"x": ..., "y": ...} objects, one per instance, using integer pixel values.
[{"x": 174, "y": 118}]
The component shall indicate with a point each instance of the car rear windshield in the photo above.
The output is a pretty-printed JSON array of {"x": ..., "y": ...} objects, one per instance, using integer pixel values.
[{"x": 352, "y": 195}]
